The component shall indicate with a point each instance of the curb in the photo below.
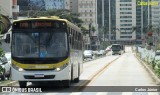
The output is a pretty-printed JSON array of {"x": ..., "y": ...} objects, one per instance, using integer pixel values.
[
  {"x": 13, "y": 83},
  {"x": 153, "y": 75},
  {"x": 94, "y": 59}
]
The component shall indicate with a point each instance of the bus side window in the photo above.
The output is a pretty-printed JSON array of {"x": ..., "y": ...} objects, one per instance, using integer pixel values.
[
  {"x": 72, "y": 38},
  {"x": 69, "y": 33},
  {"x": 76, "y": 43},
  {"x": 80, "y": 41}
]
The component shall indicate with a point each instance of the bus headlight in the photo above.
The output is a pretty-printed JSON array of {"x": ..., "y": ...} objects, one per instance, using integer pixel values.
[
  {"x": 62, "y": 67},
  {"x": 17, "y": 68}
]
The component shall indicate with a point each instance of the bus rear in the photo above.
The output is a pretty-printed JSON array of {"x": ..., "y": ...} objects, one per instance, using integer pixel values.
[{"x": 116, "y": 49}]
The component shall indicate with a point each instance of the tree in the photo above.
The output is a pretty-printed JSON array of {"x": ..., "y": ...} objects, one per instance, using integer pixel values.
[
  {"x": 103, "y": 32},
  {"x": 93, "y": 29},
  {"x": 84, "y": 30},
  {"x": 5, "y": 25}
]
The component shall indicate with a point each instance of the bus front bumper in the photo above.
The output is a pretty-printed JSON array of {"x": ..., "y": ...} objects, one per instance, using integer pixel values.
[{"x": 41, "y": 75}]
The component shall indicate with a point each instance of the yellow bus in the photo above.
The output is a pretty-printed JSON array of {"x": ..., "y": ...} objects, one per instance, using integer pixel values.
[{"x": 46, "y": 49}]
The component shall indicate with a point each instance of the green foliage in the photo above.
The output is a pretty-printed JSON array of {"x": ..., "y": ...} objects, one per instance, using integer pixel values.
[
  {"x": 84, "y": 30},
  {"x": 157, "y": 71},
  {"x": 93, "y": 29},
  {"x": 1, "y": 52},
  {"x": 1, "y": 69},
  {"x": 156, "y": 67}
]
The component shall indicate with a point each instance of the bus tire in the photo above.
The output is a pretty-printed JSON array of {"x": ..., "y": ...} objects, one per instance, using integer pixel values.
[
  {"x": 3, "y": 76},
  {"x": 22, "y": 84},
  {"x": 76, "y": 80},
  {"x": 66, "y": 83}
]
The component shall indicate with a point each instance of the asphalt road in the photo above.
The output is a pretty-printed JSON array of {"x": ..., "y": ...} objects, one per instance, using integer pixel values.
[{"x": 124, "y": 72}]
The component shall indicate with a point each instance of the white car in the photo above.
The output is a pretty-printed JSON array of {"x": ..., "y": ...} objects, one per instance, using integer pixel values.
[
  {"x": 101, "y": 52},
  {"x": 5, "y": 66},
  {"x": 88, "y": 54}
]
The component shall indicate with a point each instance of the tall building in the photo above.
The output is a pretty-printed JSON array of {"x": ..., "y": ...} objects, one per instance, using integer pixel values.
[
  {"x": 9, "y": 8},
  {"x": 125, "y": 20},
  {"x": 54, "y": 4},
  {"x": 67, "y": 5},
  {"x": 139, "y": 22},
  {"x": 142, "y": 19},
  {"x": 155, "y": 9},
  {"x": 88, "y": 13},
  {"x": 117, "y": 17},
  {"x": 106, "y": 18},
  {"x": 72, "y": 5}
]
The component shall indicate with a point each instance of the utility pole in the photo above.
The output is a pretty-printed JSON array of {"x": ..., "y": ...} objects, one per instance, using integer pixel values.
[
  {"x": 109, "y": 21},
  {"x": 142, "y": 36},
  {"x": 103, "y": 18},
  {"x": 90, "y": 25}
]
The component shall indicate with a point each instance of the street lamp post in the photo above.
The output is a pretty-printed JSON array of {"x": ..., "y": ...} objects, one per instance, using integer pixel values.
[{"x": 90, "y": 25}]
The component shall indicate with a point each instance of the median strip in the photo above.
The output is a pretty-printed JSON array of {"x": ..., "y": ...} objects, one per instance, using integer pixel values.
[{"x": 152, "y": 74}]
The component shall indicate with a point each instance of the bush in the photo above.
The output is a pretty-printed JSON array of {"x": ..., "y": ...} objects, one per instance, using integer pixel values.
[{"x": 157, "y": 70}]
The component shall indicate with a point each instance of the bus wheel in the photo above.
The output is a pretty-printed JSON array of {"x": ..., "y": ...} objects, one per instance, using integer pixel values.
[
  {"x": 66, "y": 83},
  {"x": 3, "y": 76},
  {"x": 76, "y": 80},
  {"x": 22, "y": 84}
]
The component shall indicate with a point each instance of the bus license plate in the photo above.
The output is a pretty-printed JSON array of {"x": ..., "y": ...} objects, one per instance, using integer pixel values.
[{"x": 38, "y": 75}]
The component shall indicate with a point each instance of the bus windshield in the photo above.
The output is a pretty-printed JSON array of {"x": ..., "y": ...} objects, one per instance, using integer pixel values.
[
  {"x": 116, "y": 47},
  {"x": 39, "y": 44}
]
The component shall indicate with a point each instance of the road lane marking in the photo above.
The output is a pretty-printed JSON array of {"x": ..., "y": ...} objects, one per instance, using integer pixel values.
[
  {"x": 127, "y": 93},
  {"x": 94, "y": 76}
]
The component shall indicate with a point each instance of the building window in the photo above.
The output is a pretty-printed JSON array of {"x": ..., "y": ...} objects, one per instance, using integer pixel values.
[
  {"x": 125, "y": 36},
  {"x": 125, "y": 4},
  {"x": 126, "y": 24},
  {"x": 125, "y": 8},
  {"x": 125, "y": 20},
  {"x": 126, "y": 32},
  {"x": 125, "y": 16},
  {"x": 125, "y": 0},
  {"x": 125, "y": 28},
  {"x": 125, "y": 12}
]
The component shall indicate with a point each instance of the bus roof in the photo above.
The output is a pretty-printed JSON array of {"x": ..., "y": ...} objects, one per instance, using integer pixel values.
[{"x": 51, "y": 18}]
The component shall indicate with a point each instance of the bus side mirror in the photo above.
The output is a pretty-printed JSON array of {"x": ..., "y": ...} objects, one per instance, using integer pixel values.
[{"x": 7, "y": 40}]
